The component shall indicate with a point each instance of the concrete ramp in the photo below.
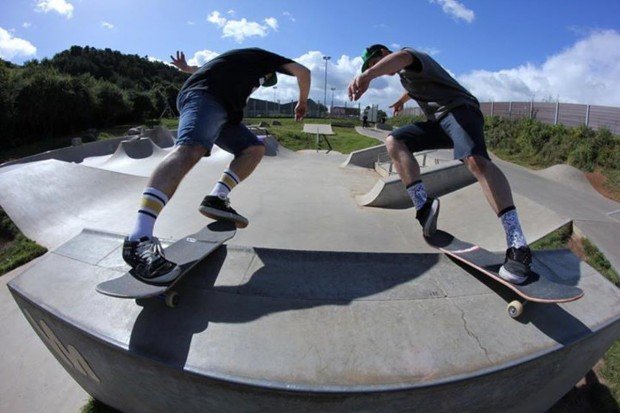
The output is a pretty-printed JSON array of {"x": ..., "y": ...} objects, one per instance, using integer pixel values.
[
  {"x": 439, "y": 180},
  {"x": 261, "y": 329},
  {"x": 138, "y": 148}
]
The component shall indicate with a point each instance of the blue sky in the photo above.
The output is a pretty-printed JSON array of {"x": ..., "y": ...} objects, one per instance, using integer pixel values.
[{"x": 500, "y": 50}]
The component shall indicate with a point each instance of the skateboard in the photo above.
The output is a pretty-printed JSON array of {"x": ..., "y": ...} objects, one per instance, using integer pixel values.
[
  {"x": 186, "y": 253},
  {"x": 538, "y": 288}
]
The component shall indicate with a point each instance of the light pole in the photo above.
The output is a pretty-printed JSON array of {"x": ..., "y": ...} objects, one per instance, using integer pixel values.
[
  {"x": 275, "y": 88},
  {"x": 326, "y": 58},
  {"x": 332, "y": 105}
]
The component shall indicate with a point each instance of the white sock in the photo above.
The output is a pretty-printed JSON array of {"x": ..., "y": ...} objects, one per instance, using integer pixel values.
[
  {"x": 227, "y": 182},
  {"x": 417, "y": 192},
  {"x": 153, "y": 201},
  {"x": 512, "y": 227}
]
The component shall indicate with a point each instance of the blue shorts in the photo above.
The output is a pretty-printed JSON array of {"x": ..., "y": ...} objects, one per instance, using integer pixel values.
[
  {"x": 462, "y": 129},
  {"x": 204, "y": 121}
]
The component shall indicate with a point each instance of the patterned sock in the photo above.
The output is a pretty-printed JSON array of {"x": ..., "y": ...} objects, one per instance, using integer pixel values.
[
  {"x": 153, "y": 201},
  {"x": 227, "y": 182},
  {"x": 417, "y": 192},
  {"x": 512, "y": 227}
]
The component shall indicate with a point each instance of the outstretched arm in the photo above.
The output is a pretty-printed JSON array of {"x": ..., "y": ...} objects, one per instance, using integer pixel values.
[
  {"x": 400, "y": 103},
  {"x": 181, "y": 63},
  {"x": 390, "y": 64},
  {"x": 303, "y": 80}
]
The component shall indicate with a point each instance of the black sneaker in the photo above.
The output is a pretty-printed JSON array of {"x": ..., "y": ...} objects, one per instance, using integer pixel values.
[
  {"x": 219, "y": 208},
  {"x": 427, "y": 215},
  {"x": 516, "y": 268},
  {"x": 148, "y": 263}
]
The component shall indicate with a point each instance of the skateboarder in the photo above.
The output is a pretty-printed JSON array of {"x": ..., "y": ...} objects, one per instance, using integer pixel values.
[
  {"x": 211, "y": 104},
  {"x": 454, "y": 121}
]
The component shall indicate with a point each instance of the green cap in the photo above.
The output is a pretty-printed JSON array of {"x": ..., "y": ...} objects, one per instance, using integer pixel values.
[
  {"x": 271, "y": 81},
  {"x": 370, "y": 52}
]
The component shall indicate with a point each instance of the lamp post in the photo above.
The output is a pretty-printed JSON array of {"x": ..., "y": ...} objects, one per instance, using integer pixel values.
[
  {"x": 333, "y": 88},
  {"x": 326, "y": 58},
  {"x": 275, "y": 89}
]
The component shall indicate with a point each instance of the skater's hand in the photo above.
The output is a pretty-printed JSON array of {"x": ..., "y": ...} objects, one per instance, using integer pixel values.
[
  {"x": 359, "y": 86},
  {"x": 181, "y": 63},
  {"x": 397, "y": 107},
  {"x": 300, "y": 110}
]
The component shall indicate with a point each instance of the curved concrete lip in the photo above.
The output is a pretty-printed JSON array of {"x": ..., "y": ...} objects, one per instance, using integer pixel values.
[{"x": 320, "y": 321}]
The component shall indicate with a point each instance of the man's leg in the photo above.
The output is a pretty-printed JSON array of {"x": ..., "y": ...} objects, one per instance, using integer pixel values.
[
  {"x": 162, "y": 185},
  {"x": 401, "y": 145},
  {"x": 200, "y": 122},
  {"x": 248, "y": 152},
  {"x": 465, "y": 125}
]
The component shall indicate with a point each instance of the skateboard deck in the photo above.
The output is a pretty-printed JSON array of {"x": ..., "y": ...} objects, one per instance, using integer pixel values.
[
  {"x": 186, "y": 252},
  {"x": 538, "y": 288}
]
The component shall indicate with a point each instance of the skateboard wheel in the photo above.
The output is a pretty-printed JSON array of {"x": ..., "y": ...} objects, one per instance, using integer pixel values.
[
  {"x": 515, "y": 308},
  {"x": 172, "y": 299}
]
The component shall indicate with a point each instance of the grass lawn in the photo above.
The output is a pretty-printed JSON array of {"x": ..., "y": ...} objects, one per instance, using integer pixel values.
[{"x": 290, "y": 135}]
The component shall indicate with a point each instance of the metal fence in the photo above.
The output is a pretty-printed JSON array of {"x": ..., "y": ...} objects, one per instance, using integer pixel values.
[{"x": 553, "y": 113}]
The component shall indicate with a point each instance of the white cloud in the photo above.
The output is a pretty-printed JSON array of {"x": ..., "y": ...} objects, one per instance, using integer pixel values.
[
  {"x": 216, "y": 18},
  {"x": 155, "y": 59},
  {"x": 272, "y": 22},
  {"x": 11, "y": 46},
  {"x": 241, "y": 29},
  {"x": 107, "y": 25},
  {"x": 61, "y": 7},
  {"x": 289, "y": 15},
  {"x": 456, "y": 9},
  {"x": 586, "y": 72},
  {"x": 201, "y": 57},
  {"x": 231, "y": 12},
  {"x": 191, "y": 23},
  {"x": 395, "y": 46},
  {"x": 26, "y": 25}
]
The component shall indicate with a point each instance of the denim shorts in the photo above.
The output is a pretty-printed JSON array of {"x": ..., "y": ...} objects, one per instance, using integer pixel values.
[
  {"x": 462, "y": 129},
  {"x": 204, "y": 121}
]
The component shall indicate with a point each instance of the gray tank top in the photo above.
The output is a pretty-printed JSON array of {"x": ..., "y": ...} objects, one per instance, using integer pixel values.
[{"x": 433, "y": 88}]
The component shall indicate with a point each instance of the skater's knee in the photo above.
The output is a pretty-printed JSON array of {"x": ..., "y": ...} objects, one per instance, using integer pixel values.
[
  {"x": 254, "y": 151},
  {"x": 477, "y": 165},
  {"x": 394, "y": 145},
  {"x": 187, "y": 155}
]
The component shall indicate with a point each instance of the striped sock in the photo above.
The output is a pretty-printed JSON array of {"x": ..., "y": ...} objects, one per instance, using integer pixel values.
[
  {"x": 417, "y": 192},
  {"x": 512, "y": 227},
  {"x": 153, "y": 201},
  {"x": 227, "y": 182}
]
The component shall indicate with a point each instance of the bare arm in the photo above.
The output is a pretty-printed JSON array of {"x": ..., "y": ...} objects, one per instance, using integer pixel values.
[
  {"x": 181, "y": 63},
  {"x": 303, "y": 81},
  {"x": 390, "y": 64},
  {"x": 400, "y": 103}
]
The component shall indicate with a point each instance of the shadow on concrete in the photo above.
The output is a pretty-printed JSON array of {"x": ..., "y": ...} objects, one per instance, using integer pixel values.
[
  {"x": 551, "y": 319},
  {"x": 287, "y": 279}
]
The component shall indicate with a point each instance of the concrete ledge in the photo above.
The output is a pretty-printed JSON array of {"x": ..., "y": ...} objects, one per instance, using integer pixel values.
[
  {"x": 439, "y": 180},
  {"x": 365, "y": 158},
  {"x": 277, "y": 330}
]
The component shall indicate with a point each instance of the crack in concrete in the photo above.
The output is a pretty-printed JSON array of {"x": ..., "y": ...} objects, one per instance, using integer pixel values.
[{"x": 470, "y": 333}]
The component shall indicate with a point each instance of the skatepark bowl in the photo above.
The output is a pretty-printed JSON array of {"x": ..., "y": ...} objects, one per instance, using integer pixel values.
[{"x": 329, "y": 301}]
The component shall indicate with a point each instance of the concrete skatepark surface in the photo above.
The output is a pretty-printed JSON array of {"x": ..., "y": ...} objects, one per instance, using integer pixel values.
[{"x": 318, "y": 294}]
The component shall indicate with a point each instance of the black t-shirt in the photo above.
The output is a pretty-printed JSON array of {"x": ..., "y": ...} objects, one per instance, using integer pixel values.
[{"x": 232, "y": 76}]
